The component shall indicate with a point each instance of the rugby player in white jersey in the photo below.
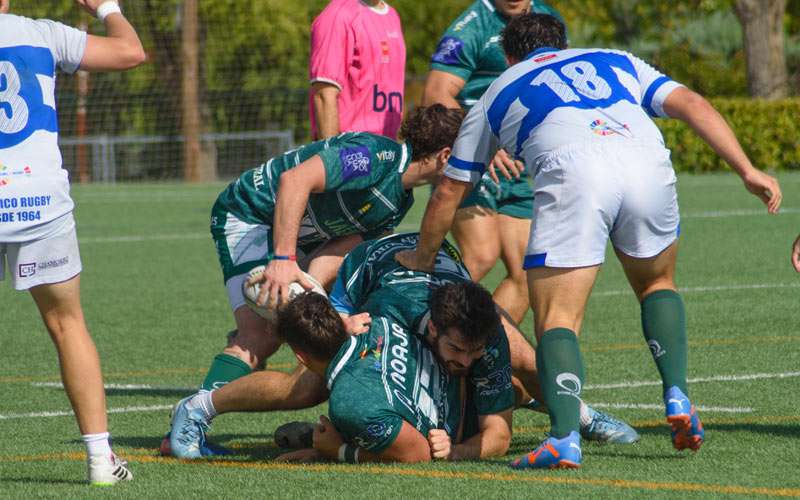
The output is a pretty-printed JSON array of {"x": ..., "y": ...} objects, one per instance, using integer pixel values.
[
  {"x": 37, "y": 229},
  {"x": 579, "y": 119}
]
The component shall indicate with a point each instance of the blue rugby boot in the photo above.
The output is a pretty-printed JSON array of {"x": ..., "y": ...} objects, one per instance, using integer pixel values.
[
  {"x": 687, "y": 431},
  {"x": 187, "y": 436},
  {"x": 553, "y": 453},
  {"x": 605, "y": 428}
]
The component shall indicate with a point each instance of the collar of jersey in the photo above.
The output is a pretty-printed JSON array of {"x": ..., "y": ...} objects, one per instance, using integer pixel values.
[{"x": 541, "y": 50}]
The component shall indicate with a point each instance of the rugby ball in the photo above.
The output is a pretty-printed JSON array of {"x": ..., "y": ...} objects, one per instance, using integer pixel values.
[{"x": 265, "y": 311}]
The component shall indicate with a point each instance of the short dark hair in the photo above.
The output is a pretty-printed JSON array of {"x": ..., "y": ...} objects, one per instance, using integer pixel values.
[
  {"x": 428, "y": 129},
  {"x": 310, "y": 324},
  {"x": 468, "y": 307},
  {"x": 528, "y": 32}
]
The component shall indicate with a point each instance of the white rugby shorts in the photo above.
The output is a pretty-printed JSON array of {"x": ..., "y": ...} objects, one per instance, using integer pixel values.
[
  {"x": 52, "y": 259},
  {"x": 587, "y": 193}
]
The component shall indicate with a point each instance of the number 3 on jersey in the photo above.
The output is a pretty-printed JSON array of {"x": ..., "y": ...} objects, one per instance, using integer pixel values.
[{"x": 27, "y": 103}]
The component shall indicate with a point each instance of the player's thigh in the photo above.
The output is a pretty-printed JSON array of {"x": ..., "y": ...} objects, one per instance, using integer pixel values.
[
  {"x": 514, "y": 234},
  {"x": 476, "y": 232},
  {"x": 559, "y": 296},
  {"x": 651, "y": 274},
  {"x": 648, "y": 218},
  {"x": 574, "y": 208},
  {"x": 323, "y": 264}
]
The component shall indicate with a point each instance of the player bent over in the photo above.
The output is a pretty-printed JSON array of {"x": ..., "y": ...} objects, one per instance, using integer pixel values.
[
  {"x": 579, "y": 117},
  {"x": 309, "y": 207},
  {"x": 371, "y": 283},
  {"x": 391, "y": 397},
  {"x": 37, "y": 228}
]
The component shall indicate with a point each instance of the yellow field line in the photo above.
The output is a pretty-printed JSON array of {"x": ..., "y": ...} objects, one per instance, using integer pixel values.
[{"x": 521, "y": 477}]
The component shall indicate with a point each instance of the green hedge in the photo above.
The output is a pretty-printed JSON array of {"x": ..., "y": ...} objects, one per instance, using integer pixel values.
[{"x": 768, "y": 130}]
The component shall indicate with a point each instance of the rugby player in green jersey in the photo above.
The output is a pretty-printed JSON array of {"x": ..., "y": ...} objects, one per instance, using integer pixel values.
[
  {"x": 392, "y": 397},
  {"x": 493, "y": 221},
  {"x": 307, "y": 208},
  {"x": 371, "y": 282}
]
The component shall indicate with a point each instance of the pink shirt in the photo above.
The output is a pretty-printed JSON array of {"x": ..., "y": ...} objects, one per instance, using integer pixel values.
[{"x": 361, "y": 50}]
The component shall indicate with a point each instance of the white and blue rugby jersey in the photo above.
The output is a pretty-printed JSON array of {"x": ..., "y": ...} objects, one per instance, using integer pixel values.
[
  {"x": 34, "y": 189},
  {"x": 559, "y": 97}
]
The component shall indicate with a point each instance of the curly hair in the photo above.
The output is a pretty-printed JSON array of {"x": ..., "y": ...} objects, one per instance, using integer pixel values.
[
  {"x": 528, "y": 32},
  {"x": 428, "y": 129},
  {"x": 467, "y": 307}
]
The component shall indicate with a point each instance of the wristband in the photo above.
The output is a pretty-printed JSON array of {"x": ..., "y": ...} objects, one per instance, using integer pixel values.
[
  {"x": 348, "y": 453},
  {"x": 292, "y": 258},
  {"x": 342, "y": 451},
  {"x": 106, "y": 9}
]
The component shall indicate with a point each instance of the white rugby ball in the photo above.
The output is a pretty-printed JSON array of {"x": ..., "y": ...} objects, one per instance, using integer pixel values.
[{"x": 265, "y": 311}]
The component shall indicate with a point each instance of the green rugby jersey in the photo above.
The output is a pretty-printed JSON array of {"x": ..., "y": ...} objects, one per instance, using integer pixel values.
[
  {"x": 363, "y": 188},
  {"x": 371, "y": 280},
  {"x": 381, "y": 378},
  {"x": 470, "y": 48}
]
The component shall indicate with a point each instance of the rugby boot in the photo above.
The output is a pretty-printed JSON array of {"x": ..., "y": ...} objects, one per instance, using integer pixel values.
[
  {"x": 687, "y": 431},
  {"x": 187, "y": 436},
  {"x": 107, "y": 470},
  {"x": 605, "y": 428},
  {"x": 564, "y": 453}
]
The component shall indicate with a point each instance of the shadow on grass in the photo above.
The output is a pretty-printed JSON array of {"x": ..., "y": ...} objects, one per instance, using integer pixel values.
[
  {"x": 788, "y": 430},
  {"x": 249, "y": 446},
  {"x": 37, "y": 480}
]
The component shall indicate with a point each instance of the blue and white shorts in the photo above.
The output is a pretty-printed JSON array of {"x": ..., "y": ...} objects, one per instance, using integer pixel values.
[{"x": 589, "y": 192}]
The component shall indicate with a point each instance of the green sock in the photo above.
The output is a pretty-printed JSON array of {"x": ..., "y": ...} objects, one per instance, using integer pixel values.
[
  {"x": 225, "y": 368},
  {"x": 561, "y": 375},
  {"x": 664, "y": 324}
]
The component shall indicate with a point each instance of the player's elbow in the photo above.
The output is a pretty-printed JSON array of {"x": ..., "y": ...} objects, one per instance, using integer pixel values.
[{"x": 133, "y": 55}]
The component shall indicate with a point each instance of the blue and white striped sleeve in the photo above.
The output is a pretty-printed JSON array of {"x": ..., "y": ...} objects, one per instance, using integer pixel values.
[
  {"x": 655, "y": 87},
  {"x": 474, "y": 147}
]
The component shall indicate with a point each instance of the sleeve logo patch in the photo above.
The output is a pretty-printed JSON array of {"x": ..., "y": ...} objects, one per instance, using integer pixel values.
[
  {"x": 448, "y": 51},
  {"x": 356, "y": 162}
]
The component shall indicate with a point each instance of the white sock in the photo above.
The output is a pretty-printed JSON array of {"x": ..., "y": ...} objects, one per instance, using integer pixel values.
[
  {"x": 97, "y": 444},
  {"x": 586, "y": 416},
  {"x": 202, "y": 401}
]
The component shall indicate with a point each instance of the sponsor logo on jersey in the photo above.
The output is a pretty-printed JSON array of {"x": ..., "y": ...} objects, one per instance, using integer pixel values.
[
  {"x": 365, "y": 208},
  {"x": 603, "y": 128},
  {"x": 448, "y": 51},
  {"x": 355, "y": 162},
  {"x": 258, "y": 177},
  {"x": 398, "y": 366},
  {"x": 384, "y": 51},
  {"x": 386, "y": 155},
  {"x": 545, "y": 58},
  {"x": 496, "y": 382},
  {"x": 376, "y": 355},
  {"x": 467, "y": 19},
  {"x": 379, "y": 430},
  {"x": 27, "y": 270},
  {"x": 570, "y": 384},
  {"x": 492, "y": 41},
  {"x": 381, "y": 101}
]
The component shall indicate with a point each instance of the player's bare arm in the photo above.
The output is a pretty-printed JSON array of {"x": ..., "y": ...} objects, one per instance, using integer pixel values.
[
  {"x": 442, "y": 87},
  {"x": 295, "y": 186},
  {"x": 492, "y": 440},
  {"x": 409, "y": 447},
  {"x": 120, "y": 49},
  {"x": 692, "y": 108},
  {"x": 438, "y": 220},
  {"x": 796, "y": 254},
  {"x": 4, "y": 6},
  {"x": 326, "y": 108}
]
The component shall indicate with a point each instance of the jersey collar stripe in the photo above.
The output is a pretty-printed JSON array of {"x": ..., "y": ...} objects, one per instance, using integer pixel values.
[
  {"x": 348, "y": 214},
  {"x": 384, "y": 199},
  {"x": 488, "y": 5},
  {"x": 403, "y": 158},
  {"x": 335, "y": 373},
  {"x": 472, "y": 166}
]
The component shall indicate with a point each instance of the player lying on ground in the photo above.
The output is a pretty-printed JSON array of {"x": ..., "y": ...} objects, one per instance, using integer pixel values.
[
  {"x": 308, "y": 208},
  {"x": 38, "y": 235},
  {"x": 371, "y": 282},
  {"x": 579, "y": 117}
]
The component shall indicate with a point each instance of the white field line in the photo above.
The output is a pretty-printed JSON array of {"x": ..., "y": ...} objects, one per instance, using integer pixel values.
[
  {"x": 718, "y": 214},
  {"x": 141, "y": 238},
  {"x": 705, "y": 409},
  {"x": 704, "y": 289},
  {"x": 127, "y": 409},
  {"x": 624, "y": 385},
  {"x": 125, "y": 387},
  {"x": 718, "y": 378}
]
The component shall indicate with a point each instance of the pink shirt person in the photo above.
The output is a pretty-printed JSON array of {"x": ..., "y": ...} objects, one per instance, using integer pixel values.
[{"x": 360, "y": 49}]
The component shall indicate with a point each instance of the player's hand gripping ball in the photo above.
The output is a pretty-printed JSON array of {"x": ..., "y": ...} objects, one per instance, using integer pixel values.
[{"x": 251, "y": 293}]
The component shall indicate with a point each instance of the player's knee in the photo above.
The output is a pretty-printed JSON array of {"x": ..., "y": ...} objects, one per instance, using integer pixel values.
[{"x": 480, "y": 263}]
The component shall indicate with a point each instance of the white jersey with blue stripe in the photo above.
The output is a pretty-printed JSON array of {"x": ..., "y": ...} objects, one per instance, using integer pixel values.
[
  {"x": 34, "y": 189},
  {"x": 557, "y": 98}
]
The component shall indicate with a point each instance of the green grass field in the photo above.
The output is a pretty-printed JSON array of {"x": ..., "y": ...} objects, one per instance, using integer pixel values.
[{"x": 155, "y": 304}]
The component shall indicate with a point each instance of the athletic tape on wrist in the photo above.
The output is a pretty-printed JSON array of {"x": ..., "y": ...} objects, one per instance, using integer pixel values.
[
  {"x": 351, "y": 454},
  {"x": 106, "y": 9},
  {"x": 342, "y": 451}
]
